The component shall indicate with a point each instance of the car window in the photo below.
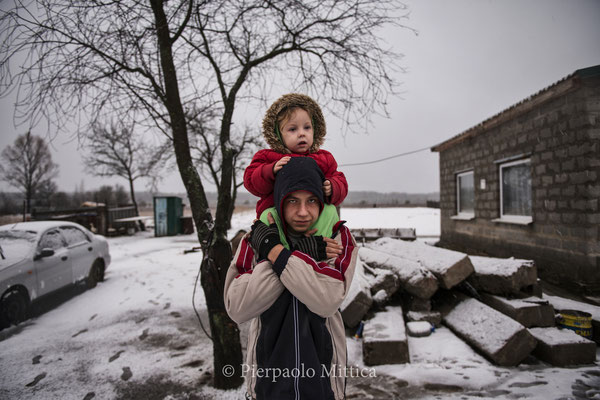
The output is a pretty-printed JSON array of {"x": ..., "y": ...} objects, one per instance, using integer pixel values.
[
  {"x": 16, "y": 244},
  {"x": 73, "y": 235},
  {"x": 52, "y": 240}
]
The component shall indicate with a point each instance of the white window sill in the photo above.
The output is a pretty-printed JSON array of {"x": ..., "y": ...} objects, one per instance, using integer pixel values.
[
  {"x": 514, "y": 219},
  {"x": 463, "y": 217}
]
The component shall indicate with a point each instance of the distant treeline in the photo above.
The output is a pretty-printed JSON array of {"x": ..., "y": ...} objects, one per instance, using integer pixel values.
[
  {"x": 113, "y": 196},
  {"x": 12, "y": 203}
]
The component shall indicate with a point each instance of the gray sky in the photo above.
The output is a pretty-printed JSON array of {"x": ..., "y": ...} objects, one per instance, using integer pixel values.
[{"x": 470, "y": 60}]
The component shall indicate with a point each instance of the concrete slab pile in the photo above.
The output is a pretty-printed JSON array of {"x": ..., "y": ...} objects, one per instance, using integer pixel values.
[
  {"x": 413, "y": 277},
  {"x": 449, "y": 267}
]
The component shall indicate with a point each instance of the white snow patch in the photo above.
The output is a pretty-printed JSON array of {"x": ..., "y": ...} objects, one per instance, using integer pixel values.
[
  {"x": 426, "y": 221},
  {"x": 380, "y": 296},
  {"x": 385, "y": 325},
  {"x": 498, "y": 266},
  {"x": 560, "y": 303},
  {"x": 555, "y": 336},
  {"x": 418, "y": 328}
]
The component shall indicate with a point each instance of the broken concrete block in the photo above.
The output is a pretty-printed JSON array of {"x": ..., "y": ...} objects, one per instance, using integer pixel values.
[
  {"x": 384, "y": 338},
  {"x": 412, "y": 303},
  {"x": 529, "y": 312},
  {"x": 358, "y": 300},
  {"x": 563, "y": 347},
  {"x": 504, "y": 276},
  {"x": 385, "y": 280},
  {"x": 418, "y": 328},
  {"x": 433, "y": 317},
  {"x": 500, "y": 338},
  {"x": 412, "y": 276},
  {"x": 449, "y": 267}
]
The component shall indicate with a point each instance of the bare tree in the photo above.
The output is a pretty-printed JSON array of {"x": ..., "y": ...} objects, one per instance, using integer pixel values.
[
  {"x": 206, "y": 150},
  {"x": 27, "y": 165},
  {"x": 152, "y": 61},
  {"x": 120, "y": 152}
]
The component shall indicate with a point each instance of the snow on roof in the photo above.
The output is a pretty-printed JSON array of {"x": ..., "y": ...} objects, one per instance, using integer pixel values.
[
  {"x": 498, "y": 266},
  {"x": 555, "y": 336}
]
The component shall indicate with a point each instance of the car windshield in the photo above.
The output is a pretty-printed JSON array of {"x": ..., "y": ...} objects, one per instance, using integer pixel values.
[{"x": 17, "y": 244}]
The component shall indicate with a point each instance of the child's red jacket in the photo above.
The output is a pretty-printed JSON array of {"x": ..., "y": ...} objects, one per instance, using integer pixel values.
[{"x": 259, "y": 178}]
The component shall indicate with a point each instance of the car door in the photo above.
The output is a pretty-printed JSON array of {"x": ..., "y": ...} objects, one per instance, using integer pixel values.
[
  {"x": 53, "y": 272},
  {"x": 80, "y": 251}
]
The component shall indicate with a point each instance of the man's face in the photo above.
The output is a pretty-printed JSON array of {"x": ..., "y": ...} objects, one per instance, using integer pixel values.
[{"x": 300, "y": 210}]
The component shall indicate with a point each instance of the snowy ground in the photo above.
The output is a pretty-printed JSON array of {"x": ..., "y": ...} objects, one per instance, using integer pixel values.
[{"x": 136, "y": 336}]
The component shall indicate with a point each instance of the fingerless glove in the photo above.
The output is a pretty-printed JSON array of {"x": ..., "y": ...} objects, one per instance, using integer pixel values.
[
  {"x": 314, "y": 246},
  {"x": 264, "y": 238}
]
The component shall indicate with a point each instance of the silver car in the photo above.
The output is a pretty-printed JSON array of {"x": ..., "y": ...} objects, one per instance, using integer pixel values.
[{"x": 37, "y": 258}]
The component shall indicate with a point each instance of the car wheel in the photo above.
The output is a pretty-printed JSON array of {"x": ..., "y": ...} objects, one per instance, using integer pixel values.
[
  {"x": 13, "y": 308},
  {"x": 96, "y": 274}
]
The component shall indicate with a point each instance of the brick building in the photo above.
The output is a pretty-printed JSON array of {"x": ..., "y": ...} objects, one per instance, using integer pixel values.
[{"x": 526, "y": 183}]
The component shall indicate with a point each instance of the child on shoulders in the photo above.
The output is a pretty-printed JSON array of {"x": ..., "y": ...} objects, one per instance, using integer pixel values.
[{"x": 293, "y": 127}]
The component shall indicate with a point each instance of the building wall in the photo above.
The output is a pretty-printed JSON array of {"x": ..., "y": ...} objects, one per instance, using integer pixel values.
[{"x": 562, "y": 136}]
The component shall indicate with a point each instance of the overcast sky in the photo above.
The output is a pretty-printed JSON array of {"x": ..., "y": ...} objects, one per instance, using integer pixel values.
[{"x": 470, "y": 60}]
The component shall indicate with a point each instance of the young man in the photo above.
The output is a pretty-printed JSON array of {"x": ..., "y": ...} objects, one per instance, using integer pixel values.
[{"x": 290, "y": 284}]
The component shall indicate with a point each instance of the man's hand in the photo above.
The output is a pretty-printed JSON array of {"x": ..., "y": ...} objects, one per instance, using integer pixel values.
[
  {"x": 279, "y": 164},
  {"x": 327, "y": 188},
  {"x": 318, "y": 247},
  {"x": 333, "y": 248},
  {"x": 263, "y": 237}
]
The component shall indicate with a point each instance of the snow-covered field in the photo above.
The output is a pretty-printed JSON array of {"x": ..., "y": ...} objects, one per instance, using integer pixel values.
[{"x": 136, "y": 336}]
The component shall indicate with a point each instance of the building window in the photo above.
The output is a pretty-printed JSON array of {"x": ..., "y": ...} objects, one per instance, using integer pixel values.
[
  {"x": 515, "y": 191},
  {"x": 465, "y": 194}
]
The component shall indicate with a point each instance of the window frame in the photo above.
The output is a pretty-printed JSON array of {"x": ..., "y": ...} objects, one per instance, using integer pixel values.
[
  {"x": 64, "y": 228},
  {"x": 463, "y": 214},
  {"x": 510, "y": 218}
]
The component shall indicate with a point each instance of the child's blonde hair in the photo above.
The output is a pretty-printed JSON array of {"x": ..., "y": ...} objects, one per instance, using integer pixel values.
[{"x": 286, "y": 114}]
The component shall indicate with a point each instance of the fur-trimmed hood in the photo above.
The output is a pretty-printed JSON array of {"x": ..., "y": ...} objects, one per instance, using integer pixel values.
[{"x": 294, "y": 100}]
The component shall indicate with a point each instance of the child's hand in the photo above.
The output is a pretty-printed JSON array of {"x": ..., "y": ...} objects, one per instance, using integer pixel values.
[
  {"x": 279, "y": 164},
  {"x": 327, "y": 188}
]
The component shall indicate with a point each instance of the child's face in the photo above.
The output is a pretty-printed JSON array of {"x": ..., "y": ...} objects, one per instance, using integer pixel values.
[{"x": 297, "y": 132}]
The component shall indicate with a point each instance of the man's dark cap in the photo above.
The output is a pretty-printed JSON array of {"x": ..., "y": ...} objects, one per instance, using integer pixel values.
[{"x": 300, "y": 173}]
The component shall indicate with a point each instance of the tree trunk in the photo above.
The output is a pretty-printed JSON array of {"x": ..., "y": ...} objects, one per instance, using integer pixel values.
[
  {"x": 232, "y": 206},
  {"x": 28, "y": 196},
  {"x": 227, "y": 349},
  {"x": 225, "y": 332},
  {"x": 135, "y": 205}
]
